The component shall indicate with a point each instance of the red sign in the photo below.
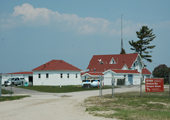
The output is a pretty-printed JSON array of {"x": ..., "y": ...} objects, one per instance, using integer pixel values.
[{"x": 154, "y": 84}]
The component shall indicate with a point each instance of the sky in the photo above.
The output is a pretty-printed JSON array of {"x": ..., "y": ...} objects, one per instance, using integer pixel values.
[{"x": 33, "y": 32}]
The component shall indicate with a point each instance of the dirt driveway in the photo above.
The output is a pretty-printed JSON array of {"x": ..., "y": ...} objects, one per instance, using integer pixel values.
[{"x": 51, "y": 106}]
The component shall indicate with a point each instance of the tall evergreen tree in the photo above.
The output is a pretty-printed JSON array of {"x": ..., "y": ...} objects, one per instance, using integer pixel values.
[
  {"x": 141, "y": 46},
  {"x": 123, "y": 51}
]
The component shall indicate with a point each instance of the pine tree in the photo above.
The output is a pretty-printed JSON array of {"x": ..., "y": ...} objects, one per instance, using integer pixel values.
[
  {"x": 141, "y": 46},
  {"x": 123, "y": 51}
]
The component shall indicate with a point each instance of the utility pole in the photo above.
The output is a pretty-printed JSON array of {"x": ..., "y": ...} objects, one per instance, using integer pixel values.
[
  {"x": 0, "y": 84},
  {"x": 100, "y": 89},
  {"x": 169, "y": 83}
]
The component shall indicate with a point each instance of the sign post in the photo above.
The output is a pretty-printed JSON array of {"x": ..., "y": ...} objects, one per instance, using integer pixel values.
[
  {"x": 112, "y": 82},
  {"x": 154, "y": 85},
  {"x": 0, "y": 87}
]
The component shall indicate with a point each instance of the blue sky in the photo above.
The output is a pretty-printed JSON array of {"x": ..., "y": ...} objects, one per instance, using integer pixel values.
[{"x": 33, "y": 32}]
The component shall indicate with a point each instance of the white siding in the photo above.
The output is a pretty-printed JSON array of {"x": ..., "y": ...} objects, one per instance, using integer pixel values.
[
  {"x": 55, "y": 79},
  {"x": 108, "y": 78}
]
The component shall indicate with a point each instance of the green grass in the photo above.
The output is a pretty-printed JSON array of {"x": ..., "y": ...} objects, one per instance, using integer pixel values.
[
  {"x": 10, "y": 98},
  {"x": 5, "y": 91},
  {"x": 63, "y": 89},
  {"x": 130, "y": 106}
]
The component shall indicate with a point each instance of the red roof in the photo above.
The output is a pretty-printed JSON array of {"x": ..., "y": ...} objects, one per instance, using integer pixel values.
[
  {"x": 92, "y": 73},
  {"x": 28, "y": 72},
  {"x": 125, "y": 71},
  {"x": 120, "y": 59},
  {"x": 57, "y": 65},
  {"x": 146, "y": 71}
]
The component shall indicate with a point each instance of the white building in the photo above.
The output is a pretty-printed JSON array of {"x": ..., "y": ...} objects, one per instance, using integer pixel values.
[
  {"x": 56, "y": 72},
  {"x": 27, "y": 75},
  {"x": 123, "y": 68}
]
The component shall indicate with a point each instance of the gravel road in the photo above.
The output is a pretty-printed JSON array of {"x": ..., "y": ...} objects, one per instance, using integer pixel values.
[{"x": 52, "y": 106}]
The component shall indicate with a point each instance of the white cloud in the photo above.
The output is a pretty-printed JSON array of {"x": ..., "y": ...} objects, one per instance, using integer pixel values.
[{"x": 34, "y": 17}]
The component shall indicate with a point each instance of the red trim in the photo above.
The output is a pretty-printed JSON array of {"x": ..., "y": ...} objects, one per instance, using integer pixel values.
[
  {"x": 125, "y": 71},
  {"x": 21, "y": 73},
  {"x": 92, "y": 73}
]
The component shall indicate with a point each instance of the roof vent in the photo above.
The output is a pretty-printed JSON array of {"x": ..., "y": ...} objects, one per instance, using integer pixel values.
[
  {"x": 60, "y": 61},
  {"x": 100, "y": 61}
]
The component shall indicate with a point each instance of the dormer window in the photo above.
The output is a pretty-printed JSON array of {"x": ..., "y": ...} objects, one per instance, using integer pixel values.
[{"x": 112, "y": 61}]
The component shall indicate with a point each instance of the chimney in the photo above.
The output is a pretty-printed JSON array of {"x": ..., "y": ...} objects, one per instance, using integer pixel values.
[{"x": 94, "y": 70}]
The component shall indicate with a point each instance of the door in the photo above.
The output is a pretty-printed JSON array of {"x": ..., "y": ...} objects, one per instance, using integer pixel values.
[
  {"x": 30, "y": 80},
  {"x": 130, "y": 79}
]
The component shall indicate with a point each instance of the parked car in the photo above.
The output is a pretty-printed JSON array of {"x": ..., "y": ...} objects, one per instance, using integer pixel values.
[
  {"x": 8, "y": 82},
  {"x": 90, "y": 83},
  {"x": 19, "y": 81}
]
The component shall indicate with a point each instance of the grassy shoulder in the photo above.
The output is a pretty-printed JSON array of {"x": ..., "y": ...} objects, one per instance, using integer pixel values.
[
  {"x": 62, "y": 89},
  {"x": 10, "y": 98},
  {"x": 5, "y": 91},
  {"x": 130, "y": 106}
]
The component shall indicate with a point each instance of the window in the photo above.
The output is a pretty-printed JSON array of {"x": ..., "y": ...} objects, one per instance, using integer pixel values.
[
  {"x": 135, "y": 63},
  {"x": 39, "y": 75},
  {"x": 67, "y": 75},
  {"x": 47, "y": 75},
  {"x": 76, "y": 75},
  {"x": 61, "y": 75},
  {"x": 112, "y": 61}
]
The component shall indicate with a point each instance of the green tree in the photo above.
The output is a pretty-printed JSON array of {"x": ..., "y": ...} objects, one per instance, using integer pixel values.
[
  {"x": 123, "y": 51},
  {"x": 141, "y": 46},
  {"x": 162, "y": 71}
]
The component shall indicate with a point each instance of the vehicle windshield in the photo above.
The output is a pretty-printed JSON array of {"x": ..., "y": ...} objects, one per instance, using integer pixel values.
[
  {"x": 95, "y": 80},
  {"x": 86, "y": 80},
  {"x": 9, "y": 79}
]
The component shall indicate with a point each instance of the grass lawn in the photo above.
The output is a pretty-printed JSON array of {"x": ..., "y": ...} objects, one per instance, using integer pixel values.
[
  {"x": 10, "y": 98},
  {"x": 63, "y": 89},
  {"x": 130, "y": 106}
]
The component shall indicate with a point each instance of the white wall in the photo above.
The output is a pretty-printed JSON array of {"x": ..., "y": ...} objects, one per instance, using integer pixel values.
[
  {"x": 108, "y": 78},
  {"x": 55, "y": 79},
  {"x": 136, "y": 79}
]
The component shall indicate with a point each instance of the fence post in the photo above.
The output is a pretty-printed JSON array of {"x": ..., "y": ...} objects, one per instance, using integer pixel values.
[
  {"x": 100, "y": 90},
  {"x": 140, "y": 84},
  {"x": 169, "y": 84},
  {"x": 0, "y": 86},
  {"x": 112, "y": 86}
]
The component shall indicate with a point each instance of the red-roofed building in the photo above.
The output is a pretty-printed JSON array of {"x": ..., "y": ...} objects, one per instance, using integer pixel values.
[
  {"x": 56, "y": 72},
  {"x": 24, "y": 74},
  {"x": 124, "y": 67}
]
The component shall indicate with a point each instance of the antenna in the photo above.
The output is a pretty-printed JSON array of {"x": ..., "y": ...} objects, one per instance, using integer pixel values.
[{"x": 121, "y": 33}]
